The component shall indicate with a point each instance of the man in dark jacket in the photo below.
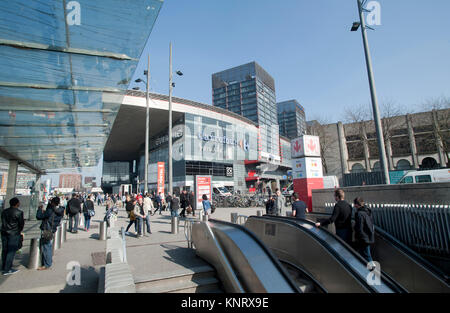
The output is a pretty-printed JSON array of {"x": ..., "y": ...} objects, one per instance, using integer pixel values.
[
  {"x": 74, "y": 209},
  {"x": 364, "y": 229},
  {"x": 270, "y": 206},
  {"x": 12, "y": 226},
  {"x": 298, "y": 207},
  {"x": 174, "y": 205},
  {"x": 183, "y": 203},
  {"x": 191, "y": 200},
  {"x": 51, "y": 218},
  {"x": 341, "y": 217}
]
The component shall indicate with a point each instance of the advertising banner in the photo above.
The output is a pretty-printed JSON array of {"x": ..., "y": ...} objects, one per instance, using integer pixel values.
[
  {"x": 306, "y": 145},
  {"x": 203, "y": 186},
  {"x": 307, "y": 168},
  {"x": 160, "y": 182}
]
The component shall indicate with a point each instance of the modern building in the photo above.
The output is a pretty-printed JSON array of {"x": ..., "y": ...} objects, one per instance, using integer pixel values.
[
  {"x": 291, "y": 119},
  {"x": 70, "y": 181},
  {"x": 248, "y": 90},
  {"x": 207, "y": 140},
  {"x": 412, "y": 141}
]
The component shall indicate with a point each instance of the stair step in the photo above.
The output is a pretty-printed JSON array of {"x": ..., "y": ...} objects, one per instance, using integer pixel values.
[{"x": 204, "y": 284}]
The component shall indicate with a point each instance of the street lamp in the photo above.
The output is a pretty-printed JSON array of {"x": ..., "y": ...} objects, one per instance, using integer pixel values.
[
  {"x": 171, "y": 85},
  {"x": 147, "y": 82},
  {"x": 373, "y": 93}
]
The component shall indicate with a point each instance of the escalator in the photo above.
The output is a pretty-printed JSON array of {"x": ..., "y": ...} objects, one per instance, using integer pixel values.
[
  {"x": 330, "y": 262},
  {"x": 243, "y": 263},
  {"x": 405, "y": 266}
]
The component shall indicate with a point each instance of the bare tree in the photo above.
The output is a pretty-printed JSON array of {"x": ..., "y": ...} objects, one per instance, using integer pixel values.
[{"x": 318, "y": 128}]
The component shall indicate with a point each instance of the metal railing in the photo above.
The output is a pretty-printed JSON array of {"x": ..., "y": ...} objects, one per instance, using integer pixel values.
[
  {"x": 424, "y": 228},
  {"x": 188, "y": 230},
  {"x": 124, "y": 244}
]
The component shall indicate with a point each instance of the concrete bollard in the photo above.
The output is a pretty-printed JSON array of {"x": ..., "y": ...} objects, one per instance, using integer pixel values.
[
  {"x": 200, "y": 215},
  {"x": 34, "y": 260},
  {"x": 234, "y": 217},
  {"x": 102, "y": 231},
  {"x": 63, "y": 232},
  {"x": 175, "y": 224},
  {"x": 56, "y": 239},
  {"x": 259, "y": 213},
  {"x": 205, "y": 218}
]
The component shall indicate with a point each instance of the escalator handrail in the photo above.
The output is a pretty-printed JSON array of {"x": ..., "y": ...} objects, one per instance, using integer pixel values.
[
  {"x": 392, "y": 284},
  {"x": 307, "y": 274},
  {"x": 413, "y": 255},
  {"x": 272, "y": 257}
]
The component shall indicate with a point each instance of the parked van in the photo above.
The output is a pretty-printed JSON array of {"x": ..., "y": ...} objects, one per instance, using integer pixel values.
[
  {"x": 221, "y": 190},
  {"x": 431, "y": 176}
]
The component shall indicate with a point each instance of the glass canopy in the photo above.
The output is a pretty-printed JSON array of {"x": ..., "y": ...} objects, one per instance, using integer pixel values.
[{"x": 64, "y": 69}]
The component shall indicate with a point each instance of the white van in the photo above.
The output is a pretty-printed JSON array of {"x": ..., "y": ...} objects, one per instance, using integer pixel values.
[
  {"x": 431, "y": 176},
  {"x": 221, "y": 190}
]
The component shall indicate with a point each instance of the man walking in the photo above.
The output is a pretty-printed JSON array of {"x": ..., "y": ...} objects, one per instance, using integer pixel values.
[
  {"x": 364, "y": 229},
  {"x": 169, "y": 202},
  {"x": 191, "y": 200},
  {"x": 74, "y": 209},
  {"x": 298, "y": 207},
  {"x": 184, "y": 203},
  {"x": 279, "y": 203},
  {"x": 12, "y": 226}
]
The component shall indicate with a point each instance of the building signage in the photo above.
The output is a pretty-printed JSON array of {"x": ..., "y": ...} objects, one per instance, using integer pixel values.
[
  {"x": 203, "y": 186},
  {"x": 307, "y": 168},
  {"x": 229, "y": 171},
  {"x": 160, "y": 182},
  {"x": 306, "y": 145},
  {"x": 177, "y": 132},
  {"x": 225, "y": 140}
]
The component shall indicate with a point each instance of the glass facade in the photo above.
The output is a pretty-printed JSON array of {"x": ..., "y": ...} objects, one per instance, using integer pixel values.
[
  {"x": 64, "y": 68},
  {"x": 291, "y": 119}
]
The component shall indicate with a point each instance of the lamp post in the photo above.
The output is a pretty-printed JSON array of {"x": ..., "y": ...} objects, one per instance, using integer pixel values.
[
  {"x": 171, "y": 85},
  {"x": 373, "y": 93},
  {"x": 147, "y": 73}
]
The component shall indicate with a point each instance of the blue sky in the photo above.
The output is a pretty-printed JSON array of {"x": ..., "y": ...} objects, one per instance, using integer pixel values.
[{"x": 308, "y": 49}]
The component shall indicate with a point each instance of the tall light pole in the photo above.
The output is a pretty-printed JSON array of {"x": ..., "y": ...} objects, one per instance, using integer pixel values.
[
  {"x": 171, "y": 85},
  {"x": 147, "y": 122},
  {"x": 373, "y": 93}
]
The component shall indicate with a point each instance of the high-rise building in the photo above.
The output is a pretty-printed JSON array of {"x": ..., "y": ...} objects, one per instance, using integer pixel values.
[
  {"x": 248, "y": 90},
  {"x": 291, "y": 119}
]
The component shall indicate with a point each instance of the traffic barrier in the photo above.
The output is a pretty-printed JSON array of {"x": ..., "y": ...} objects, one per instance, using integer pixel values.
[
  {"x": 102, "y": 231},
  {"x": 34, "y": 260},
  {"x": 174, "y": 225},
  {"x": 56, "y": 239}
]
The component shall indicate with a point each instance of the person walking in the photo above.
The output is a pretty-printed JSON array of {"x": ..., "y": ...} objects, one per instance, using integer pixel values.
[
  {"x": 341, "y": 217},
  {"x": 279, "y": 202},
  {"x": 174, "y": 206},
  {"x": 183, "y": 203},
  {"x": 139, "y": 215},
  {"x": 147, "y": 209},
  {"x": 88, "y": 211},
  {"x": 206, "y": 205},
  {"x": 364, "y": 229},
  {"x": 51, "y": 218},
  {"x": 74, "y": 209},
  {"x": 270, "y": 206},
  {"x": 11, "y": 232},
  {"x": 169, "y": 201},
  {"x": 131, "y": 203},
  {"x": 298, "y": 207},
  {"x": 158, "y": 201},
  {"x": 191, "y": 200}
]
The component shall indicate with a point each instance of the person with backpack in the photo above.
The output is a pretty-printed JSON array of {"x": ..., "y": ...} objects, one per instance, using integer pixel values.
[
  {"x": 88, "y": 211},
  {"x": 364, "y": 229},
  {"x": 12, "y": 227},
  {"x": 341, "y": 217},
  {"x": 130, "y": 209},
  {"x": 51, "y": 218},
  {"x": 73, "y": 209}
]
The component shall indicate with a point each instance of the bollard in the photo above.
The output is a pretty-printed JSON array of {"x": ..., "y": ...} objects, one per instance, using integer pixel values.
[
  {"x": 175, "y": 224},
  {"x": 102, "y": 230},
  {"x": 259, "y": 213},
  {"x": 234, "y": 217},
  {"x": 63, "y": 232},
  {"x": 56, "y": 239},
  {"x": 205, "y": 218},
  {"x": 34, "y": 260},
  {"x": 200, "y": 215}
]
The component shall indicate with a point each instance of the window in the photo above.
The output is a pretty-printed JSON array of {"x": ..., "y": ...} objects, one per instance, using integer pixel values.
[
  {"x": 407, "y": 180},
  {"x": 423, "y": 179}
]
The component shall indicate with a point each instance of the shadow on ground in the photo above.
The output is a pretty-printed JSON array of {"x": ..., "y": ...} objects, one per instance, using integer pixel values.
[{"x": 88, "y": 281}]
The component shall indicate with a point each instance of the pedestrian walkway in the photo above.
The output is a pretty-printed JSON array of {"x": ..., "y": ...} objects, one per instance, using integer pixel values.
[{"x": 156, "y": 255}]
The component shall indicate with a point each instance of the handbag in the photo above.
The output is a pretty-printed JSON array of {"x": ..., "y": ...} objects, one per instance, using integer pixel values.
[
  {"x": 47, "y": 234},
  {"x": 91, "y": 213}
]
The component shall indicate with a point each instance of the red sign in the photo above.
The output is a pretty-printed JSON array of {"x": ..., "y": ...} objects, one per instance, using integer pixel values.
[
  {"x": 160, "y": 180},
  {"x": 203, "y": 186}
]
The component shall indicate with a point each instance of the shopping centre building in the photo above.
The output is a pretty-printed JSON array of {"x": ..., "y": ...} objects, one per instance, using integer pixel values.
[{"x": 207, "y": 140}]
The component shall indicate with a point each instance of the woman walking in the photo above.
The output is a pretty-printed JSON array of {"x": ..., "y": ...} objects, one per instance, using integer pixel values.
[
  {"x": 88, "y": 211},
  {"x": 131, "y": 215}
]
